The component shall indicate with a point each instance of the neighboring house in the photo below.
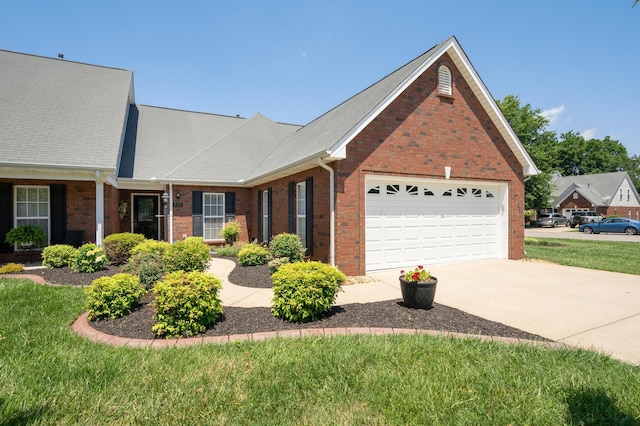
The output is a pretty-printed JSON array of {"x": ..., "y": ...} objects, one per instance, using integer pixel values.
[
  {"x": 419, "y": 168},
  {"x": 609, "y": 194}
]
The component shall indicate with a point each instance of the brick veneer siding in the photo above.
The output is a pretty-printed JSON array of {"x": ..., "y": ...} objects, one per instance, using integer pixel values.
[
  {"x": 280, "y": 209},
  {"x": 418, "y": 135}
]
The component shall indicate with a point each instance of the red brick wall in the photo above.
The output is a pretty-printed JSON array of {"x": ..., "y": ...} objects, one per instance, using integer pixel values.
[
  {"x": 280, "y": 206},
  {"x": 418, "y": 135}
]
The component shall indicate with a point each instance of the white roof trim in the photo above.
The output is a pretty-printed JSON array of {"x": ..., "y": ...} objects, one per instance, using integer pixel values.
[{"x": 338, "y": 150}]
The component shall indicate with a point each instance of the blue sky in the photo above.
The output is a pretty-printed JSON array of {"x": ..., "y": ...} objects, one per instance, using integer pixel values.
[{"x": 292, "y": 61}]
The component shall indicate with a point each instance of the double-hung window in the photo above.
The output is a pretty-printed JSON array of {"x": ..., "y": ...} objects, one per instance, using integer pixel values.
[
  {"x": 265, "y": 215},
  {"x": 32, "y": 207},
  {"x": 213, "y": 215},
  {"x": 301, "y": 211}
]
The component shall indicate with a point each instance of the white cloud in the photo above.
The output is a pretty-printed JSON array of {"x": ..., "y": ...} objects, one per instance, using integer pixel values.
[
  {"x": 589, "y": 133},
  {"x": 553, "y": 114}
]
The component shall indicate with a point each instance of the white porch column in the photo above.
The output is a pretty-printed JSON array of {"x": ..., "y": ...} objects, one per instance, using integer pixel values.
[{"x": 99, "y": 208}]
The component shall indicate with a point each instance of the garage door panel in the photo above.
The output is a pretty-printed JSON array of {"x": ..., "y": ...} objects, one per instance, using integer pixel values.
[{"x": 433, "y": 222}]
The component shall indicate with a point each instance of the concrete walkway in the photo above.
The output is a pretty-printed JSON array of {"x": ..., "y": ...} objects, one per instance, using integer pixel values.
[{"x": 580, "y": 307}]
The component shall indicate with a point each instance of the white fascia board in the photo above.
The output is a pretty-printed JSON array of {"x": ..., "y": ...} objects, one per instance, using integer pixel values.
[
  {"x": 339, "y": 149},
  {"x": 51, "y": 173},
  {"x": 161, "y": 183},
  {"x": 459, "y": 57}
]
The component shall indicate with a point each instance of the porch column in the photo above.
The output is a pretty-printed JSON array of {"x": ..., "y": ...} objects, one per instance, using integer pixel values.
[{"x": 99, "y": 208}]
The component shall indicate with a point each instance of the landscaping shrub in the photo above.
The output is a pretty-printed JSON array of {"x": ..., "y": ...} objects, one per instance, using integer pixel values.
[
  {"x": 276, "y": 263},
  {"x": 231, "y": 232},
  {"x": 150, "y": 246},
  {"x": 88, "y": 258},
  {"x": 303, "y": 291},
  {"x": 12, "y": 268},
  {"x": 57, "y": 256},
  {"x": 118, "y": 246},
  {"x": 287, "y": 245},
  {"x": 190, "y": 254},
  {"x": 147, "y": 266},
  {"x": 230, "y": 251},
  {"x": 253, "y": 255},
  {"x": 186, "y": 303},
  {"x": 114, "y": 296}
]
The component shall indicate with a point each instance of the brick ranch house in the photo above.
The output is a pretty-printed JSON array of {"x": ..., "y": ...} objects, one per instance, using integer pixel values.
[
  {"x": 609, "y": 194},
  {"x": 419, "y": 168}
]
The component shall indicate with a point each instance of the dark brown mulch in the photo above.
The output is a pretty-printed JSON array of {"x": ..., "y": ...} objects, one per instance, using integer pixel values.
[
  {"x": 66, "y": 276},
  {"x": 237, "y": 320}
]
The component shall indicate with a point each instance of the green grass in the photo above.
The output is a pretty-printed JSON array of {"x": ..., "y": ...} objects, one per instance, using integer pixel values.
[
  {"x": 604, "y": 255},
  {"x": 48, "y": 375}
]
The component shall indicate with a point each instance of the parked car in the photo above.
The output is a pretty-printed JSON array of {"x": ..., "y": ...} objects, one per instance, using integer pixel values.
[
  {"x": 552, "y": 220},
  {"x": 578, "y": 218},
  {"x": 613, "y": 224}
]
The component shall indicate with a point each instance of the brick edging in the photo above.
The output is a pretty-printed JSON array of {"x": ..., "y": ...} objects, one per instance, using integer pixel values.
[{"x": 82, "y": 327}]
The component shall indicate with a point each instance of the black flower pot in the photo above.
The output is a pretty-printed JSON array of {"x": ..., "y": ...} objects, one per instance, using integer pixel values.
[{"x": 418, "y": 294}]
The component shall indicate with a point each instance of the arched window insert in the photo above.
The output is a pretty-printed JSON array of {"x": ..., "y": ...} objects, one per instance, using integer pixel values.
[{"x": 444, "y": 81}]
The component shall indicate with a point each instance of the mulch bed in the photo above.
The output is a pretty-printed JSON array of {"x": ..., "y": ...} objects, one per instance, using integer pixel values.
[{"x": 235, "y": 320}]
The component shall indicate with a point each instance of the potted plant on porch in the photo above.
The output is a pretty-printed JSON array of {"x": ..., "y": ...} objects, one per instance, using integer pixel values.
[
  {"x": 25, "y": 236},
  {"x": 418, "y": 288}
]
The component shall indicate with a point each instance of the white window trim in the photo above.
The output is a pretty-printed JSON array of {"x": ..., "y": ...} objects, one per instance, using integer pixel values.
[
  {"x": 37, "y": 217},
  {"x": 205, "y": 216}
]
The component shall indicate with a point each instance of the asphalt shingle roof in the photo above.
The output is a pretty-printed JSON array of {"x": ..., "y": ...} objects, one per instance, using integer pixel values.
[
  {"x": 57, "y": 113},
  {"x": 596, "y": 188}
]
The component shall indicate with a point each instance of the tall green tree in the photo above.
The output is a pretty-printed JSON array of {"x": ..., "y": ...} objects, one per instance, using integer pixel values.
[{"x": 530, "y": 126}]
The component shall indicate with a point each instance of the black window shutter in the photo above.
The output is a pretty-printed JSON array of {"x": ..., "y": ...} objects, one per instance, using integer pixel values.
[
  {"x": 196, "y": 213},
  {"x": 58, "y": 194},
  {"x": 291, "y": 224},
  {"x": 229, "y": 206},
  {"x": 269, "y": 213},
  {"x": 259, "y": 215},
  {"x": 309, "y": 218},
  {"x": 6, "y": 219}
]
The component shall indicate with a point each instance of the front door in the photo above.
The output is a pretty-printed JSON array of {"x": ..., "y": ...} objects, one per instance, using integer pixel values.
[{"x": 146, "y": 216}]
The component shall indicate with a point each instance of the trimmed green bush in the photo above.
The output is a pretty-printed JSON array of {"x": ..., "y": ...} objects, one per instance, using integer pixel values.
[
  {"x": 151, "y": 246},
  {"x": 303, "y": 291},
  {"x": 253, "y": 255},
  {"x": 287, "y": 245},
  {"x": 113, "y": 297},
  {"x": 57, "y": 256},
  {"x": 12, "y": 268},
  {"x": 190, "y": 254},
  {"x": 118, "y": 246},
  {"x": 88, "y": 258},
  {"x": 231, "y": 232},
  {"x": 230, "y": 251},
  {"x": 147, "y": 266},
  {"x": 186, "y": 303}
]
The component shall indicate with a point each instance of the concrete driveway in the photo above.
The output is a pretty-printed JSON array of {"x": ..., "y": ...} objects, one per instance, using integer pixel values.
[{"x": 580, "y": 307}]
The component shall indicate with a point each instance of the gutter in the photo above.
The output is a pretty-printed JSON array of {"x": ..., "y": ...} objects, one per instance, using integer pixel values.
[{"x": 332, "y": 208}]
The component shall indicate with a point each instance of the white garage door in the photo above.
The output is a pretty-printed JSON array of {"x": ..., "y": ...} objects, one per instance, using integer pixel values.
[{"x": 422, "y": 222}]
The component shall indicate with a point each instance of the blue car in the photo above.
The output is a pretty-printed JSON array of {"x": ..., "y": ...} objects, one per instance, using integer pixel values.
[{"x": 614, "y": 224}]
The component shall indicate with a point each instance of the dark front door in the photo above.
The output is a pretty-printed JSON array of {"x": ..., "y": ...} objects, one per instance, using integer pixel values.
[{"x": 146, "y": 216}]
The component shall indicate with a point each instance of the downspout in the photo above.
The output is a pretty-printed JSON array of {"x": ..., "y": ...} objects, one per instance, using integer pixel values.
[{"x": 332, "y": 208}]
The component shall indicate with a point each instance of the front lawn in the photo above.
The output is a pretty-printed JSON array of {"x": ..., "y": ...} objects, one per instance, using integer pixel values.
[
  {"x": 48, "y": 375},
  {"x": 611, "y": 256}
]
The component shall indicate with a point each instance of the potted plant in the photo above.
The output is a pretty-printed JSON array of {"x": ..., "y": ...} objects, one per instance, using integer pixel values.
[
  {"x": 418, "y": 288},
  {"x": 26, "y": 235}
]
